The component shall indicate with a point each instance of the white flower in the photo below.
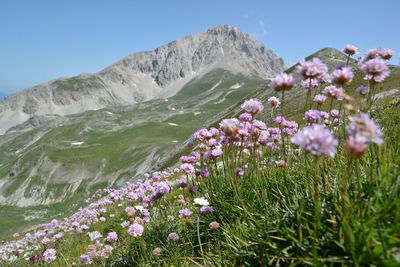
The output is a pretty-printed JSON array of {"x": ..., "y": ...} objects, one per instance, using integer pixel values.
[
  {"x": 139, "y": 207},
  {"x": 201, "y": 201}
]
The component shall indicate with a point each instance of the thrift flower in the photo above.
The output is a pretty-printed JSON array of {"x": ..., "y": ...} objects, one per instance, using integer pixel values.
[
  {"x": 229, "y": 127},
  {"x": 112, "y": 237},
  {"x": 312, "y": 68},
  {"x": 173, "y": 237},
  {"x": 49, "y": 255},
  {"x": 184, "y": 213},
  {"x": 214, "y": 225},
  {"x": 239, "y": 171},
  {"x": 136, "y": 230},
  {"x": 252, "y": 106},
  {"x": 363, "y": 125},
  {"x": 376, "y": 69},
  {"x": 334, "y": 92},
  {"x": 206, "y": 210},
  {"x": 350, "y": 49},
  {"x": 357, "y": 145},
  {"x": 94, "y": 235},
  {"x": 320, "y": 99},
  {"x": 157, "y": 252},
  {"x": 274, "y": 101},
  {"x": 282, "y": 82},
  {"x": 188, "y": 168},
  {"x": 362, "y": 90},
  {"x": 342, "y": 76},
  {"x": 85, "y": 259},
  {"x": 316, "y": 140}
]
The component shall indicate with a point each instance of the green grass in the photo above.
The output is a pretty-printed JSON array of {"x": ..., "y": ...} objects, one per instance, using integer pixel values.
[{"x": 78, "y": 83}]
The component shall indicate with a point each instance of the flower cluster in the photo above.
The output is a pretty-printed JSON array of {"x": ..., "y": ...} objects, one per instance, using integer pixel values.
[
  {"x": 362, "y": 131},
  {"x": 317, "y": 140},
  {"x": 282, "y": 82}
]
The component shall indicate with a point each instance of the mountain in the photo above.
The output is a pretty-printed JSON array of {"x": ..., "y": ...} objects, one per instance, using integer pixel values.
[
  {"x": 3, "y": 95},
  {"x": 144, "y": 76},
  {"x": 148, "y": 104}
]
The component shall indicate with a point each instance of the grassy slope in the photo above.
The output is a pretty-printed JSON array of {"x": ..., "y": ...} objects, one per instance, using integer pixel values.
[
  {"x": 272, "y": 220},
  {"x": 113, "y": 149}
]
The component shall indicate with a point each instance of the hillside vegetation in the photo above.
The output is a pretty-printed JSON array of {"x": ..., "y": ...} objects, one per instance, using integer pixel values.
[{"x": 317, "y": 184}]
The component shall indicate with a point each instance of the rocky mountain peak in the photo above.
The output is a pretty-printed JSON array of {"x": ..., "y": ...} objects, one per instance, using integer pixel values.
[{"x": 144, "y": 76}]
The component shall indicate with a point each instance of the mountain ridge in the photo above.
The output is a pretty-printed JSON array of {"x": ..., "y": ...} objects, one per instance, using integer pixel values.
[{"x": 143, "y": 76}]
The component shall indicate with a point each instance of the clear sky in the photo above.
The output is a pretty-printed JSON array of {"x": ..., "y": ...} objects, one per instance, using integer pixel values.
[{"x": 42, "y": 40}]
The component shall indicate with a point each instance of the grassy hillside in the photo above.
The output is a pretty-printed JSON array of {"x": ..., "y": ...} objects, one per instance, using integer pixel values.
[
  {"x": 242, "y": 206},
  {"x": 49, "y": 170}
]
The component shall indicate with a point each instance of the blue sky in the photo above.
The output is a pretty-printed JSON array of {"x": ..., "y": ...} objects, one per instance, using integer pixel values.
[{"x": 43, "y": 40}]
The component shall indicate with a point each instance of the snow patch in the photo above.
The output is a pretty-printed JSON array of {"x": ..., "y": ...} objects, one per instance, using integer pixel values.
[
  {"x": 76, "y": 143},
  {"x": 173, "y": 124},
  {"x": 215, "y": 85},
  {"x": 236, "y": 86},
  {"x": 174, "y": 141}
]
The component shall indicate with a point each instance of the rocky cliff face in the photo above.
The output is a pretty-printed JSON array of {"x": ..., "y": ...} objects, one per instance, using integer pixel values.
[{"x": 144, "y": 76}]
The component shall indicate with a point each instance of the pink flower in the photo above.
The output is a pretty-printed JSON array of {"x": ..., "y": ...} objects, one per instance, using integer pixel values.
[
  {"x": 49, "y": 255},
  {"x": 157, "y": 252},
  {"x": 364, "y": 126},
  {"x": 125, "y": 224},
  {"x": 280, "y": 163},
  {"x": 184, "y": 213},
  {"x": 106, "y": 251},
  {"x": 274, "y": 101},
  {"x": 252, "y": 106},
  {"x": 320, "y": 99},
  {"x": 45, "y": 241},
  {"x": 229, "y": 127},
  {"x": 94, "y": 235},
  {"x": 386, "y": 53},
  {"x": 376, "y": 69},
  {"x": 245, "y": 117},
  {"x": 312, "y": 68},
  {"x": 216, "y": 153},
  {"x": 282, "y": 82},
  {"x": 214, "y": 225},
  {"x": 136, "y": 230},
  {"x": 112, "y": 237},
  {"x": 334, "y": 113},
  {"x": 334, "y": 92},
  {"x": 350, "y": 49},
  {"x": 173, "y": 237},
  {"x": 374, "y": 66},
  {"x": 312, "y": 116},
  {"x": 130, "y": 211},
  {"x": 362, "y": 90},
  {"x": 357, "y": 145},
  {"x": 342, "y": 76},
  {"x": 206, "y": 210},
  {"x": 85, "y": 259},
  {"x": 187, "y": 167},
  {"x": 239, "y": 172},
  {"x": 316, "y": 140}
]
